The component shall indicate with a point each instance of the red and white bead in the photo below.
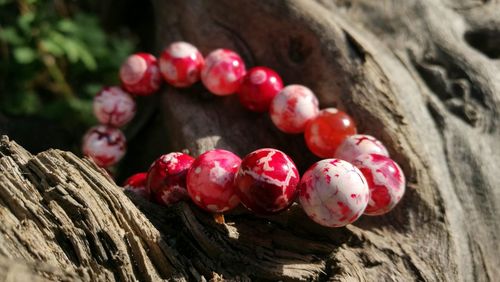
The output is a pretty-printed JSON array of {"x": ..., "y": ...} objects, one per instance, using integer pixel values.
[
  {"x": 210, "y": 181},
  {"x": 293, "y": 107},
  {"x": 223, "y": 72},
  {"x": 267, "y": 181},
  {"x": 139, "y": 74},
  {"x": 104, "y": 144},
  {"x": 333, "y": 193},
  {"x": 260, "y": 86},
  {"x": 167, "y": 178},
  {"x": 359, "y": 144},
  {"x": 113, "y": 106},
  {"x": 327, "y": 131},
  {"x": 385, "y": 180},
  {"x": 180, "y": 64},
  {"x": 137, "y": 184}
]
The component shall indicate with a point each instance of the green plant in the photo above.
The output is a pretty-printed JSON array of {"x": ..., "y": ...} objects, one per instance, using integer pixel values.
[{"x": 54, "y": 57}]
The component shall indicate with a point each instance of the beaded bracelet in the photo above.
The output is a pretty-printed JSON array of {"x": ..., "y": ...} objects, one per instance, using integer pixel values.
[{"x": 357, "y": 177}]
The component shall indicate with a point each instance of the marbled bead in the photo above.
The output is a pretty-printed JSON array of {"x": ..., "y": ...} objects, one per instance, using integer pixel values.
[
  {"x": 327, "y": 131},
  {"x": 267, "y": 181},
  {"x": 385, "y": 180},
  {"x": 333, "y": 193},
  {"x": 104, "y": 144},
  {"x": 139, "y": 74},
  {"x": 137, "y": 184},
  {"x": 181, "y": 64},
  {"x": 260, "y": 85},
  {"x": 359, "y": 144},
  {"x": 166, "y": 179},
  {"x": 223, "y": 72},
  {"x": 113, "y": 106},
  {"x": 210, "y": 181},
  {"x": 293, "y": 107}
]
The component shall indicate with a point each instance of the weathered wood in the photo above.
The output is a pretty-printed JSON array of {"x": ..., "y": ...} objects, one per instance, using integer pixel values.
[
  {"x": 415, "y": 74},
  {"x": 422, "y": 76},
  {"x": 64, "y": 211}
]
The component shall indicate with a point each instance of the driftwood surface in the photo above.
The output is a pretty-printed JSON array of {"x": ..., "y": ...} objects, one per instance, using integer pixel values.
[{"x": 422, "y": 76}]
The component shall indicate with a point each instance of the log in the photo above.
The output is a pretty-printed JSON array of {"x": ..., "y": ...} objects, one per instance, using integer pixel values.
[{"x": 422, "y": 76}]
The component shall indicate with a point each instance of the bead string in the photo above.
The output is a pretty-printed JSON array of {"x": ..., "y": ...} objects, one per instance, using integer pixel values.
[{"x": 357, "y": 177}]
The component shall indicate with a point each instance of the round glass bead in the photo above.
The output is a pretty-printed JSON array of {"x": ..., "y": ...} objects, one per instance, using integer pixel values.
[
  {"x": 223, "y": 72},
  {"x": 166, "y": 179},
  {"x": 139, "y": 74},
  {"x": 293, "y": 107},
  {"x": 267, "y": 181},
  {"x": 210, "y": 181},
  {"x": 137, "y": 184},
  {"x": 385, "y": 180},
  {"x": 113, "y": 106},
  {"x": 260, "y": 85},
  {"x": 181, "y": 64},
  {"x": 104, "y": 144},
  {"x": 333, "y": 193},
  {"x": 327, "y": 131}
]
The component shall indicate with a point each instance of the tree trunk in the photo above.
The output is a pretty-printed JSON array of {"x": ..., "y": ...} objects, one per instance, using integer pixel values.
[{"x": 421, "y": 75}]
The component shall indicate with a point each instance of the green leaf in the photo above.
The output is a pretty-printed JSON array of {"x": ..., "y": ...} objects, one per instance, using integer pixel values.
[
  {"x": 71, "y": 49},
  {"x": 87, "y": 59},
  {"x": 24, "y": 55},
  {"x": 24, "y": 23},
  {"x": 10, "y": 35},
  {"x": 52, "y": 47},
  {"x": 67, "y": 25}
]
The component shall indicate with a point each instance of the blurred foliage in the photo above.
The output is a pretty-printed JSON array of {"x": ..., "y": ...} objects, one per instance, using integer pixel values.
[{"x": 54, "y": 57}]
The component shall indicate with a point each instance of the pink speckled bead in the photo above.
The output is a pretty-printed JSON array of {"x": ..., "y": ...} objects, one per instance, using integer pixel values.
[
  {"x": 140, "y": 75},
  {"x": 104, "y": 144},
  {"x": 293, "y": 107},
  {"x": 167, "y": 178},
  {"x": 267, "y": 181},
  {"x": 180, "y": 64},
  {"x": 333, "y": 193},
  {"x": 385, "y": 180},
  {"x": 223, "y": 72},
  {"x": 137, "y": 184},
  {"x": 113, "y": 106},
  {"x": 356, "y": 145},
  {"x": 210, "y": 181},
  {"x": 260, "y": 86}
]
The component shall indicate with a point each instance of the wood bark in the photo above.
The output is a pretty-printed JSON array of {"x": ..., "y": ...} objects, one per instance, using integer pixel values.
[{"x": 422, "y": 76}]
